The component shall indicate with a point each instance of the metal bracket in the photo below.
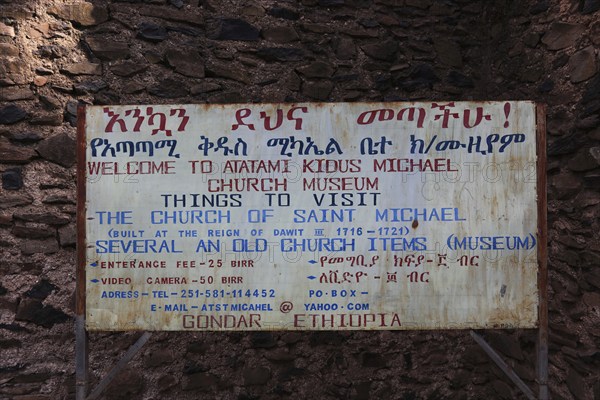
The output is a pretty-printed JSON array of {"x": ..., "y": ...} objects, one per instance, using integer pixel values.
[
  {"x": 131, "y": 352},
  {"x": 503, "y": 366}
]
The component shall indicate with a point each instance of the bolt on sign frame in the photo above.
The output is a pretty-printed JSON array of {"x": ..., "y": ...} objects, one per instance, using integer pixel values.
[{"x": 312, "y": 216}]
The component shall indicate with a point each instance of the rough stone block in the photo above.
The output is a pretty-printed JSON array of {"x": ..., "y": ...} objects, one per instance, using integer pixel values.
[
  {"x": 12, "y": 179},
  {"x": 188, "y": 63},
  {"x": 232, "y": 29},
  {"x": 317, "y": 90},
  {"x": 188, "y": 15},
  {"x": 67, "y": 236},
  {"x": 47, "y": 118},
  {"x": 256, "y": 376},
  {"x": 128, "y": 68},
  {"x": 14, "y": 200},
  {"x": 372, "y": 360},
  {"x": 448, "y": 52},
  {"x": 48, "y": 246},
  {"x": 6, "y": 221},
  {"x": 8, "y": 50},
  {"x": 85, "y": 14},
  {"x": 159, "y": 357},
  {"x": 566, "y": 185},
  {"x": 283, "y": 13},
  {"x": 280, "y": 34},
  {"x": 228, "y": 71},
  {"x": 58, "y": 199},
  {"x": 262, "y": 340},
  {"x": 166, "y": 382},
  {"x": 107, "y": 49},
  {"x": 33, "y": 310},
  {"x": 582, "y": 65},
  {"x": 83, "y": 68},
  {"x": 282, "y": 54},
  {"x": 44, "y": 218},
  {"x": 562, "y": 35},
  {"x": 169, "y": 88},
  {"x": 42, "y": 289},
  {"x": 317, "y": 69},
  {"x": 590, "y": 6},
  {"x": 126, "y": 385},
  {"x": 200, "y": 381},
  {"x": 52, "y": 51},
  {"x": 93, "y": 85},
  {"x": 152, "y": 32},
  {"x": 385, "y": 51},
  {"x": 6, "y": 30},
  {"x": 577, "y": 385},
  {"x": 60, "y": 149},
  {"x": 345, "y": 49},
  {"x": 11, "y": 114},
  {"x": 33, "y": 232}
]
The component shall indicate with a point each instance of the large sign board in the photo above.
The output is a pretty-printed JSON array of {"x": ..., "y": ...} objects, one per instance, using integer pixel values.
[{"x": 339, "y": 216}]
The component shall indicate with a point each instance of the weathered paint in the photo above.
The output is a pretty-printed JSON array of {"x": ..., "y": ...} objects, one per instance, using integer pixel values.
[{"x": 428, "y": 218}]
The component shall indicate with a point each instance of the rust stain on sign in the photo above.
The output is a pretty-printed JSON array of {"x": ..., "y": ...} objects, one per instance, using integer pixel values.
[{"x": 310, "y": 216}]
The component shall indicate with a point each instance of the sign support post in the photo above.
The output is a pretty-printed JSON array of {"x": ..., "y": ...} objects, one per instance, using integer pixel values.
[
  {"x": 81, "y": 336},
  {"x": 81, "y": 359},
  {"x": 542, "y": 202}
]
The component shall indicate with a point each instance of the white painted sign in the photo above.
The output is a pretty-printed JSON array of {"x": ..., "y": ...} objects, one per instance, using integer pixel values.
[{"x": 311, "y": 216}]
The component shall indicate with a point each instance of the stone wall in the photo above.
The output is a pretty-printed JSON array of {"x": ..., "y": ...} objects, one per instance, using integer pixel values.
[{"x": 55, "y": 54}]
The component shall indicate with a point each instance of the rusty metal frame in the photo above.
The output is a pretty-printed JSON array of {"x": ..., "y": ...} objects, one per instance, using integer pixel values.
[
  {"x": 82, "y": 349},
  {"x": 542, "y": 200},
  {"x": 82, "y": 339},
  {"x": 542, "y": 256}
]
